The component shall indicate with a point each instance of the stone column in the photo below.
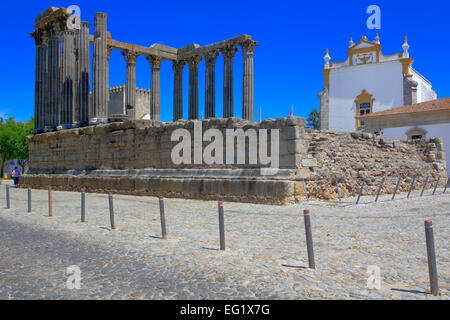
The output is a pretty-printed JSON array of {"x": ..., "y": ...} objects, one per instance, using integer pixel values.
[
  {"x": 155, "y": 99},
  {"x": 130, "y": 94},
  {"x": 53, "y": 81},
  {"x": 41, "y": 57},
  {"x": 248, "y": 49},
  {"x": 44, "y": 82},
  {"x": 178, "y": 89},
  {"x": 100, "y": 69},
  {"x": 193, "y": 86},
  {"x": 228, "y": 56},
  {"x": 83, "y": 75},
  {"x": 108, "y": 55},
  {"x": 210, "y": 84},
  {"x": 67, "y": 78}
]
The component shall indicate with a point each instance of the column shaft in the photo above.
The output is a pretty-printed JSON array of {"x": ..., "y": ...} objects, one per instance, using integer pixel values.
[
  {"x": 41, "y": 51},
  {"x": 83, "y": 75},
  {"x": 210, "y": 84},
  {"x": 248, "y": 49},
  {"x": 193, "y": 86},
  {"x": 178, "y": 89},
  {"x": 67, "y": 78},
  {"x": 228, "y": 57},
  {"x": 43, "y": 79},
  {"x": 130, "y": 94},
  {"x": 155, "y": 100},
  {"x": 53, "y": 81},
  {"x": 100, "y": 77}
]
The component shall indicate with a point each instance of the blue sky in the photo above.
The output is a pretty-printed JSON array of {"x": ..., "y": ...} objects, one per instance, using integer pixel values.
[{"x": 292, "y": 37}]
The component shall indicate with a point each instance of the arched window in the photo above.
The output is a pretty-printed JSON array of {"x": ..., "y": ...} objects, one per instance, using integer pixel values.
[
  {"x": 364, "y": 105},
  {"x": 416, "y": 133}
]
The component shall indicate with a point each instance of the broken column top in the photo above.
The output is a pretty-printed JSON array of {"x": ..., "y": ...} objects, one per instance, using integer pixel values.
[{"x": 51, "y": 15}]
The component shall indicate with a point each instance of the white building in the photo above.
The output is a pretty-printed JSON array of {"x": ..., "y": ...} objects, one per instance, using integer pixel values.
[
  {"x": 366, "y": 82},
  {"x": 430, "y": 119}
]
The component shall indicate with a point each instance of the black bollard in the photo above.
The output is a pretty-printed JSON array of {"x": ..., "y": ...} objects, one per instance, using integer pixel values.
[
  {"x": 360, "y": 191},
  {"x": 446, "y": 185},
  {"x": 111, "y": 210},
  {"x": 221, "y": 226},
  {"x": 436, "y": 185},
  {"x": 29, "y": 199},
  {"x": 396, "y": 188},
  {"x": 424, "y": 185},
  {"x": 83, "y": 207},
  {"x": 432, "y": 269},
  {"x": 411, "y": 187},
  {"x": 163, "y": 218},
  {"x": 379, "y": 190},
  {"x": 8, "y": 204},
  {"x": 309, "y": 241},
  {"x": 304, "y": 189}
]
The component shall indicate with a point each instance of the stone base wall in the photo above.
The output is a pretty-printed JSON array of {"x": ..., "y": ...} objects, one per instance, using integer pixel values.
[{"x": 134, "y": 158}]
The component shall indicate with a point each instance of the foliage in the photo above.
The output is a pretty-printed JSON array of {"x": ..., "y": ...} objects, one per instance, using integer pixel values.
[
  {"x": 313, "y": 120},
  {"x": 13, "y": 144}
]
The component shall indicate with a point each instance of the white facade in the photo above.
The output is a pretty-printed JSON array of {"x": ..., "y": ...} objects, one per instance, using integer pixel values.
[
  {"x": 424, "y": 90},
  {"x": 367, "y": 78},
  {"x": 347, "y": 83}
]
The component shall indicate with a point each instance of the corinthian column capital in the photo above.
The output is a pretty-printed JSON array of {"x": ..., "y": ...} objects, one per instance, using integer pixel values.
[
  {"x": 229, "y": 51},
  {"x": 248, "y": 47},
  {"x": 211, "y": 56},
  {"x": 194, "y": 61},
  {"x": 178, "y": 65},
  {"x": 155, "y": 61},
  {"x": 130, "y": 56}
]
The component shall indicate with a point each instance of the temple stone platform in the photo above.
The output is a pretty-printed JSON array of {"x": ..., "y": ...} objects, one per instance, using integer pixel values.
[{"x": 137, "y": 157}]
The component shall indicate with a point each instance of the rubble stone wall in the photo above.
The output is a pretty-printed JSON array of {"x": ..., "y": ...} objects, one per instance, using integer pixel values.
[{"x": 134, "y": 157}]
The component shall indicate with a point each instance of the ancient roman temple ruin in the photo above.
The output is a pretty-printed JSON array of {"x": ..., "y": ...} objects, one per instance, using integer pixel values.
[
  {"x": 62, "y": 95},
  {"x": 99, "y": 147}
]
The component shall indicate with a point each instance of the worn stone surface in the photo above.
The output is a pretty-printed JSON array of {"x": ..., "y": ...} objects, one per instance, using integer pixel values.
[
  {"x": 265, "y": 256},
  {"x": 135, "y": 157}
]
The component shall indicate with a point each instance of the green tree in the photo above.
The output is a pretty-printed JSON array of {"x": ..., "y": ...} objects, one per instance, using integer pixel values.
[
  {"x": 6, "y": 141},
  {"x": 13, "y": 144},
  {"x": 313, "y": 120},
  {"x": 21, "y": 144}
]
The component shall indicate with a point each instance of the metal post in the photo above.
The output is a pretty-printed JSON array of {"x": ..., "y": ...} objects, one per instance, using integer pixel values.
[
  {"x": 446, "y": 185},
  {"x": 396, "y": 187},
  {"x": 432, "y": 268},
  {"x": 29, "y": 199},
  {"x": 163, "y": 218},
  {"x": 221, "y": 226},
  {"x": 49, "y": 201},
  {"x": 83, "y": 206},
  {"x": 111, "y": 210},
  {"x": 435, "y": 186},
  {"x": 411, "y": 187},
  {"x": 339, "y": 193},
  {"x": 309, "y": 241},
  {"x": 379, "y": 190},
  {"x": 8, "y": 205},
  {"x": 424, "y": 185},
  {"x": 304, "y": 189},
  {"x": 360, "y": 191}
]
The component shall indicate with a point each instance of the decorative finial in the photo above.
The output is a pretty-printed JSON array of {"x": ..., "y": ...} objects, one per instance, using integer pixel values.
[
  {"x": 351, "y": 43},
  {"x": 364, "y": 38},
  {"x": 405, "y": 47},
  {"x": 327, "y": 60},
  {"x": 377, "y": 39}
]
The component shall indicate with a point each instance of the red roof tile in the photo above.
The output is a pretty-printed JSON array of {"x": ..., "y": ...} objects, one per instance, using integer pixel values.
[{"x": 432, "y": 105}]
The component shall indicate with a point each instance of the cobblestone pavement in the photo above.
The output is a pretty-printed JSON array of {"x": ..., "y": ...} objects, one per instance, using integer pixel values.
[{"x": 265, "y": 256}]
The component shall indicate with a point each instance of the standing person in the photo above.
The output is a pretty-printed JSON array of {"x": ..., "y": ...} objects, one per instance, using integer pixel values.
[{"x": 15, "y": 175}]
